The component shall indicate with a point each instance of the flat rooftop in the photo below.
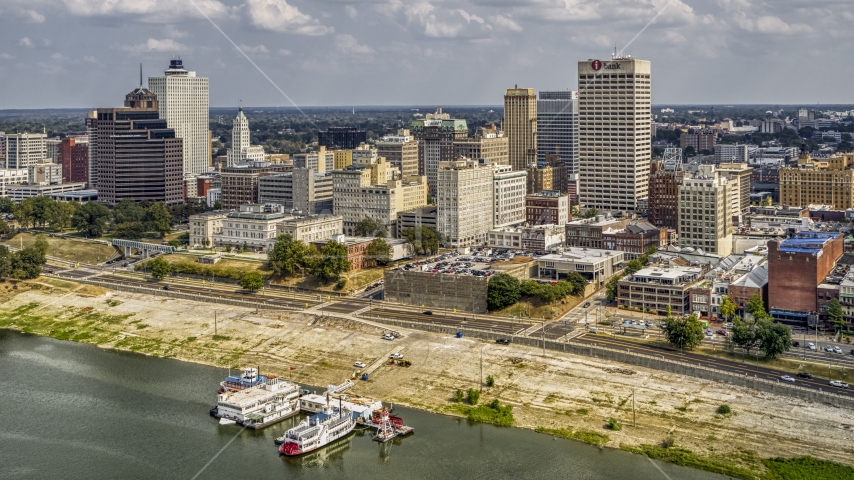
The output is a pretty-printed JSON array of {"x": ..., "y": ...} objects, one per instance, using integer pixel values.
[{"x": 582, "y": 255}]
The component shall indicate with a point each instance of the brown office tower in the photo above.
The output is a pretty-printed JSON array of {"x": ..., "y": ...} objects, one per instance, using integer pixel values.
[
  {"x": 664, "y": 196},
  {"x": 139, "y": 157},
  {"x": 240, "y": 182},
  {"x": 74, "y": 158},
  {"x": 520, "y": 124},
  {"x": 436, "y": 134}
]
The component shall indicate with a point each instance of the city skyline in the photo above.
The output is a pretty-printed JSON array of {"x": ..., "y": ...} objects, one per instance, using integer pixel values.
[{"x": 338, "y": 53}]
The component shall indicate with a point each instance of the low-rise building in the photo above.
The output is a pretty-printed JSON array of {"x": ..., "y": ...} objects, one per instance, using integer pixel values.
[
  {"x": 12, "y": 176},
  {"x": 45, "y": 174},
  {"x": 656, "y": 288},
  {"x": 418, "y": 217},
  {"x": 548, "y": 207},
  {"x": 539, "y": 238},
  {"x": 597, "y": 266},
  {"x": 204, "y": 227},
  {"x": 254, "y": 226},
  {"x": 635, "y": 239},
  {"x": 357, "y": 249},
  {"x": 311, "y": 228},
  {"x": 589, "y": 232},
  {"x": 16, "y": 193}
]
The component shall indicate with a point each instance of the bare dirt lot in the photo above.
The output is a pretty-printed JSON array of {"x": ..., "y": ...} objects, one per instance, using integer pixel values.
[{"x": 553, "y": 391}]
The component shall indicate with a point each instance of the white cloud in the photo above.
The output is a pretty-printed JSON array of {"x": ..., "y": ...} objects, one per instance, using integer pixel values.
[
  {"x": 774, "y": 25},
  {"x": 351, "y": 11},
  {"x": 6, "y": 56},
  {"x": 259, "y": 50},
  {"x": 348, "y": 43},
  {"x": 437, "y": 29},
  {"x": 285, "y": 52},
  {"x": 57, "y": 56},
  {"x": 89, "y": 59},
  {"x": 469, "y": 17},
  {"x": 505, "y": 23},
  {"x": 171, "y": 32},
  {"x": 25, "y": 42},
  {"x": 154, "y": 11},
  {"x": 154, "y": 45},
  {"x": 32, "y": 16},
  {"x": 279, "y": 16}
]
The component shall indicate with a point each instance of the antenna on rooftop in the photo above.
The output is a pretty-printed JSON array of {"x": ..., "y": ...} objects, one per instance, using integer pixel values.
[{"x": 140, "y": 75}]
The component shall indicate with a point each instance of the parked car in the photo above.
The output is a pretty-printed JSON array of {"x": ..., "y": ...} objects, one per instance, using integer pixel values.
[
  {"x": 838, "y": 384},
  {"x": 592, "y": 330},
  {"x": 359, "y": 365},
  {"x": 804, "y": 375},
  {"x": 796, "y": 344},
  {"x": 787, "y": 378},
  {"x": 503, "y": 341},
  {"x": 649, "y": 323},
  {"x": 837, "y": 350},
  {"x": 828, "y": 348},
  {"x": 396, "y": 356},
  {"x": 586, "y": 304},
  {"x": 709, "y": 332},
  {"x": 167, "y": 287},
  {"x": 721, "y": 332},
  {"x": 811, "y": 346},
  {"x": 427, "y": 312},
  {"x": 388, "y": 336}
]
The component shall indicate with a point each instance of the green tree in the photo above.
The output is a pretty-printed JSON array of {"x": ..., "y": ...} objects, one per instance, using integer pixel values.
[
  {"x": 288, "y": 256},
  {"x": 6, "y": 205},
  {"x": 378, "y": 252},
  {"x": 755, "y": 306},
  {"x": 5, "y": 229},
  {"x": 91, "y": 219},
  {"x": 130, "y": 231},
  {"x": 744, "y": 334},
  {"x": 685, "y": 332},
  {"x": 28, "y": 262},
  {"x": 217, "y": 205},
  {"x": 774, "y": 338},
  {"x": 331, "y": 261},
  {"x": 590, "y": 213},
  {"x": 766, "y": 202},
  {"x": 64, "y": 211},
  {"x": 502, "y": 291},
  {"x": 579, "y": 283},
  {"x": 160, "y": 267},
  {"x": 370, "y": 227},
  {"x": 473, "y": 396},
  {"x": 423, "y": 239},
  {"x": 727, "y": 307},
  {"x": 158, "y": 219},
  {"x": 128, "y": 211},
  {"x": 252, "y": 281},
  {"x": 5, "y": 262},
  {"x": 835, "y": 314},
  {"x": 24, "y": 213},
  {"x": 611, "y": 288},
  {"x": 633, "y": 266}
]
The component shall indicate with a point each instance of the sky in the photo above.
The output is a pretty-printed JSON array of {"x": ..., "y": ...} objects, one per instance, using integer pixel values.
[{"x": 86, "y": 53}]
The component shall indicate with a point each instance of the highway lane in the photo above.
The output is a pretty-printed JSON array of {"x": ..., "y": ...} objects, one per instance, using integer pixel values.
[
  {"x": 236, "y": 294},
  {"x": 482, "y": 322},
  {"x": 712, "y": 362}
]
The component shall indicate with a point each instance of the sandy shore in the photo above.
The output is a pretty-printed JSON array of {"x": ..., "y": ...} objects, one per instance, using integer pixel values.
[{"x": 551, "y": 390}]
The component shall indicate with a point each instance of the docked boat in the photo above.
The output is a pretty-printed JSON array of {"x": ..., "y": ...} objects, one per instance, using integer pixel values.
[
  {"x": 249, "y": 378},
  {"x": 318, "y": 430},
  {"x": 363, "y": 407},
  {"x": 261, "y": 405}
]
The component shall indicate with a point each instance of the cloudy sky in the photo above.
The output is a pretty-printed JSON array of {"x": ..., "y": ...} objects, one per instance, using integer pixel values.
[{"x": 85, "y": 53}]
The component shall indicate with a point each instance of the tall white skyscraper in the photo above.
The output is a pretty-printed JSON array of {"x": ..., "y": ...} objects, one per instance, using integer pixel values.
[
  {"x": 183, "y": 99},
  {"x": 241, "y": 150},
  {"x": 615, "y": 143},
  {"x": 25, "y": 149}
]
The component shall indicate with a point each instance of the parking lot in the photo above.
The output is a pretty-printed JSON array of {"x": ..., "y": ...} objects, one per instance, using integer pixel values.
[{"x": 478, "y": 264}]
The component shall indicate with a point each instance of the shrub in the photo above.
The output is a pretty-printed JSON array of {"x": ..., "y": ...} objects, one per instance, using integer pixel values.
[
  {"x": 473, "y": 396},
  {"x": 342, "y": 282},
  {"x": 490, "y": 381},
  {"x": 668, "y": 442},
  {"x": 724, "y": 409},
  {"x": 458, "y": 396},
  {"x": 613, "y": 424}
]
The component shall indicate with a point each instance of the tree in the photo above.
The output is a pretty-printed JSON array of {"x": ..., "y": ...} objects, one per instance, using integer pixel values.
[
  {"x": 728, "y": 307},
  {"x": 370, "y": 227},
  {"x": 378, "y": 252},
  {"x": 835, "y": 314},
  {"x": 766, "y": 201},
  {"x": 744, "y": 334},
  {"x": 755, "y": 306},
  {"x": 590, "y": 213},
  {"x": 217, "y": 205},
  {"x": 690, "y": 151},
  {"x": 64, "y": 211},
  {"x": 6, "y": 205},
  {"x": 331, "y": 261},
  {"x": 423, "y": 239},
  {"x": 5, "y": 229},
  {"x": 686, "y": 332},
  {"x": 611, "y": 288},
  {"x": 502, "y": 291},
  {"x": 128, "y": 211},
  {"x": 28, "y": 262},
  {"x": 287, "y": 255},
  {"x": 160, "y": 267},
  {"x": 91, "y": 219},
  {"x": 252, "y": 281},
  {"x": 158, "y": 219},
  {"x": 130, "y": 231},
  {"x": 24, "y": 213},
  {"x": 633, "y": 266},
  {"x": 579, "y": 283},
  {"x": 774, "y": 338},
  {"x": 5, "y": 262}
]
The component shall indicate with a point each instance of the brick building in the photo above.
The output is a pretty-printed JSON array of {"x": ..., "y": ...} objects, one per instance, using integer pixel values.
[
  {"x": 74, "y": 158},
  {"x": 702, "y": 141},
  {"x": 635, "y": 239},
  {"x": 547, "y": 208},
  {"x": 796, "y": 267},
  {"x": 663, "y": 209}
]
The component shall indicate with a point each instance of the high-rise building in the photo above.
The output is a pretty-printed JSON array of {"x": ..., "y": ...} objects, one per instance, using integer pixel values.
[
  {"x": 614, "y": 115},
  {"x": 464, "y": 200},
  {"x": 241, "y": 149},
  {"x": 509, "y": 189},
  {"x": 488, "y": 143},
  {"x": 520, "y": 124},
  {"x": 25, "y": 149},
  {"x": 52, "y": 149},
  {"x": 401, "y": 151},
  {"x": 436, "y": 134},
  {"x": 728, "y": 153},
  {"x": 342, "y": 137},
  {"x": 321, "y": 161},
  {"x": 557, "y": 128},
  {"x": 74, "y": 158},
  {"x": 700, "y": 141},
  {"x": 738, "y": 178},
  {"x": 303, "y": 189},
  {"x": 183, "y": 100},
  {"x": 92, "y": 133},
  {"x": 663, "y": 202},
  {"x": 705, "y": 211},
  {"x": 540, "y": 177},
  {"x": 240, "y": 182},
  {"x": 819, "y": 182},
  {"x": 139, "y": 156}
]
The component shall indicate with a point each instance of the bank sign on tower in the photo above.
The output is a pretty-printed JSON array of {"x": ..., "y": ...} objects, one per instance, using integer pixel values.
[{"x": 597, "y": 65}]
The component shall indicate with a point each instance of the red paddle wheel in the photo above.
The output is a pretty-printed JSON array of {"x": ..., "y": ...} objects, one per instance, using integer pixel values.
[{"x": 289, "y": 448}]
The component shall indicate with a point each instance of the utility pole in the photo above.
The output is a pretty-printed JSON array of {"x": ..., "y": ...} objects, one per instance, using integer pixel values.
[
  {"x": 544, "y": 337},
  {"x": 214, "y": 322},
  {"x": 481, "y": 368},
  {"x": 634, "y": 418}
]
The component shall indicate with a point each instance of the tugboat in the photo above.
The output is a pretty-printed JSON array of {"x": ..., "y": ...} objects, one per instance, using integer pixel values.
[{"x": 319, "y": 430}]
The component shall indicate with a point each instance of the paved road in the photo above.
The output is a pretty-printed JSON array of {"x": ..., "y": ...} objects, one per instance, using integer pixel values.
[
  {"x": 721, "y": 364},
  {"x": 483, "y": 322}
]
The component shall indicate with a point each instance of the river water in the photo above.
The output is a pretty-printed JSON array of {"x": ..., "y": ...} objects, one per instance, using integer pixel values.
[{"x": 71, "y": 410}]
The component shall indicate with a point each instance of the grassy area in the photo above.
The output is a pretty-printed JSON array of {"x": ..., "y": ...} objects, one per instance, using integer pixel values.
[
  {"x": 71, "y": 250},
  {"x": 355, "y": 280},
  {"x": 805, "y": 468},
  {"x": 744, "y": 465},
  {"x": 536, "y": 309},
  {"x": 586, "y": 436},
  {"x": 225, "y": 268},
  {"x": 493, "y": 412}
]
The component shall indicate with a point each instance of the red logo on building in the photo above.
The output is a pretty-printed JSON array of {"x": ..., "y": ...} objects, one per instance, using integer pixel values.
[{"x": 596, "y": 65}]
